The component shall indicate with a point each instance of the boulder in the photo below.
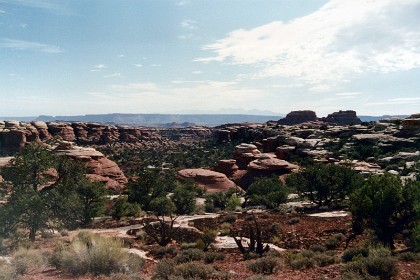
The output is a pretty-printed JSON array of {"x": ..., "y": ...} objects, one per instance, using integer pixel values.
[{"x": 211, "y": 181}]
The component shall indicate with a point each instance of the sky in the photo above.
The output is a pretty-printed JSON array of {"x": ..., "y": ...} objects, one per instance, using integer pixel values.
[{"x": 75, "y": 57}]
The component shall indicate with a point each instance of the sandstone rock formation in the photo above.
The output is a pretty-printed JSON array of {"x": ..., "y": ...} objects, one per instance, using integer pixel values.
[
  {"x": 210, "y": 181},
  {"x": 348, "y": 117},
  {"x": 411, "y": 125},
  {"x": 244, "y": 154},
  {"x": 14, "y": 134},
  {"x": 270, "y": 163},
  {"x": 297, "y": 117},
  {"x": 226, "y": 166},
  {"x": 99, "y": 167}
]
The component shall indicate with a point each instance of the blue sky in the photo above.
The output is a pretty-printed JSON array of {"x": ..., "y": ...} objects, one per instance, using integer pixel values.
[{"x": 73, "y": 57}]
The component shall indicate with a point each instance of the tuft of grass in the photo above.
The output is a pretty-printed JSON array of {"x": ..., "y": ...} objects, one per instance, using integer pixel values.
[{"x": 190, "y": 255}]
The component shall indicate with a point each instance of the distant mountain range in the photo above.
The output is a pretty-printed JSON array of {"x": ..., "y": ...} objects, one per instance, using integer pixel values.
[
  {"x": 172, "y": 120},
  {"x": 377, "y": 118}
]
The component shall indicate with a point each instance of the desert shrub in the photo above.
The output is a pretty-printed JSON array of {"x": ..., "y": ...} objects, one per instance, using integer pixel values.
[
  {"x": 300, "y": 262},
  {"x": 164, "y": 269},
  {"x": 210, "y": 257},
  {"x": 378, "y": 263},
  {"x": 293, "y": 221},
  {"x": 233, "y": 203},
  {"x": 334, "y": 241},
  {"x": 229, "y": 218},
  {"x": 206, "y": 239},
  {"x": 323, "y": 259},
  {"x": 224, "y": 229},
  {"x": 95, "y": 254},
  {"x": 186, "y": 246},
  {"x": 190, "y": 255},
  {"x": 27, "y": 261},
  {"x": 318, "y": 248},
  {"x": 194, "y": 271},
  {"x": 349, "y": 254},
  {"x": 264, "y": 265},
  {"x": 257, "y": 277},
  {"x": 409, "y": 256},
  {"x": 275, "y": 228},
  {"x": 164, "y": 252},
  {"x": 123, "y": 276},
  {"x": 7, "y": 273}
]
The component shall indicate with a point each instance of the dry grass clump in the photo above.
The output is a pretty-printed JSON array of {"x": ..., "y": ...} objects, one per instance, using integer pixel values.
[
  {"x": 90, "y": 253},
  {"x": 28, "y": 261}
]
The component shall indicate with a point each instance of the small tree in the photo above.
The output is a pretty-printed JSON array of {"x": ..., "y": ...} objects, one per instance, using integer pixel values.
[
  {"x": 255, "y": 244},
  {"x": 148, "y": 186},
  {"x": 324, "y": 184},
  {"x": 28, "y": 204},
  {"x": 162, "y": 231},
  {"x": 184, "y": 197},
  {"x": 269, "y": 192},
  {"x": 384, "y": 205}
]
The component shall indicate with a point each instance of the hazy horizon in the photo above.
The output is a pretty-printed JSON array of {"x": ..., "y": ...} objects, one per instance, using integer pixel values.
[{"x": 67, "y": 58}]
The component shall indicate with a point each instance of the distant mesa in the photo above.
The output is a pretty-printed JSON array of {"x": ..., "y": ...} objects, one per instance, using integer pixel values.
[{"x": 347, "y": 117}]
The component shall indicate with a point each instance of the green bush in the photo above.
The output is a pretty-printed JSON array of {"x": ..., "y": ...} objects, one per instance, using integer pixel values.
[
  {"x": 123, "y": 208},
  {"x": 269, "y": 192},
  {"x": 28, "y": 261},
  {"x": 264, "y": 265},
  {"x": 233, "y": 203}
]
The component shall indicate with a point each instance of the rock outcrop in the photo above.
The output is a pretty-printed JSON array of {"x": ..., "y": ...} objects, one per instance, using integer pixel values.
[
  {"x": 410, "y": 125},
  {"x": 270, "y": 163},
  {"x": 208, "y": 180},
  {"x": 348, "y": 117},
  {"x": 14, "y": 134},
  {"x": 101, "y": 169},
  {"x": 297, "y": 117}
]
